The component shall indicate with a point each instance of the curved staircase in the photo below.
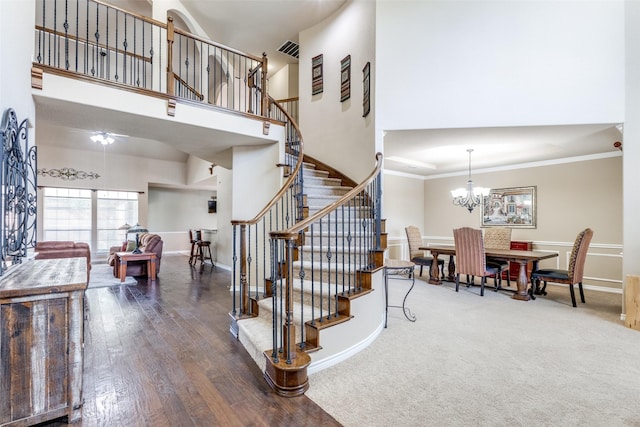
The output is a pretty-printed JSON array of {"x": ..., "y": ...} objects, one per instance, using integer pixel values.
[{"x": 340, "y": 304}]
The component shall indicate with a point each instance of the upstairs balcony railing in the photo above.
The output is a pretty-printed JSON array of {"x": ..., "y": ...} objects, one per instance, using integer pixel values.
[{"x": 96, "y": 40}]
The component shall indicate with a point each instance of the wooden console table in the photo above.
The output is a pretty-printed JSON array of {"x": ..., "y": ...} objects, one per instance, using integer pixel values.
[
  {"x": 123, "y": 257},
  {"x": 41, "y": 341}
]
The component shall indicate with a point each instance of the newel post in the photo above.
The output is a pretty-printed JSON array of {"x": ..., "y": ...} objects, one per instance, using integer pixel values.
[
  {"x": 286, "y": 367},
  {"x": 244, "y": 286},
  {"x": 265, "y": 92},
  {"x": 170, "y": 75}
]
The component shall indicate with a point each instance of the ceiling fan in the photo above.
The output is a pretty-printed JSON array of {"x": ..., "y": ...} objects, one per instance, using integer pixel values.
[{"x": 105, "y": 138}]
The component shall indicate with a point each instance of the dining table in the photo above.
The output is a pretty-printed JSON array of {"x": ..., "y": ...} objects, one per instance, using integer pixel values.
[{"x": 523, "y": 292}]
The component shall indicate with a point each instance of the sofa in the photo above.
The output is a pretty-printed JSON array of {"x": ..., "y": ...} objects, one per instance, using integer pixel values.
[
  {"x": 64, "y": 249},
  {"x": 149, "y": 242}
]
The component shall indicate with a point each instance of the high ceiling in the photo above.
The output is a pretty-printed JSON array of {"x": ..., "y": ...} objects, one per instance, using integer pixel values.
[
  {"x": 444, "y": 151},
  {"x": 266, "y": 24}
]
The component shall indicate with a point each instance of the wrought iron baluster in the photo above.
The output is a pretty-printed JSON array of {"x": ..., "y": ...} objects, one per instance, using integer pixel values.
[
  {"x": 124, "y": 55},
  {"x": 336, "y": 261},
  {"x": 234, "y": 255},
  {"x": 300, "y": 247},
  {"x": 313, "y": 281}
]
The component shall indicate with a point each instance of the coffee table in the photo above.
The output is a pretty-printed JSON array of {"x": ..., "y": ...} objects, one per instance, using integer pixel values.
[{"x": 122, "y": 258}]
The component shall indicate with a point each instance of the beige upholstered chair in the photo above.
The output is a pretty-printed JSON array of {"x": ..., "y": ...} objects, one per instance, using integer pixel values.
[
  {"x": 414, "y": 237},
  {"x": 470, "y": 256},
  {"x": 498, "y": 238},
  {"x": 576, "y": 268}
]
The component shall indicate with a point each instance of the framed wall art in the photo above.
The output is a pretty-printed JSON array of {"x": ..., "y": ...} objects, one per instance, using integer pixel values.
[
  {"x": 510, "y": 207},
  {"x": 345, "y": 78},
  {"x": 316, "y": 75},
  {"x": 366, "y": 88}
]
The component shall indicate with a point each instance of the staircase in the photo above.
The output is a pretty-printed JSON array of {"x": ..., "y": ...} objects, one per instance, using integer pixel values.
[
  {"x": 317, "y": 245},
  {"x": 332, "y": 296}
]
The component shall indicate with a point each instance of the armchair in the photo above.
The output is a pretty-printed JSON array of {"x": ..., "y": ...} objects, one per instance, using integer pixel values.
[{"x": 149, "y": 242}]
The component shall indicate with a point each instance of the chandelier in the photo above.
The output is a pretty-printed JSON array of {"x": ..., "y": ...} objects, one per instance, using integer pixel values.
[{"x": 469, "y": 197}]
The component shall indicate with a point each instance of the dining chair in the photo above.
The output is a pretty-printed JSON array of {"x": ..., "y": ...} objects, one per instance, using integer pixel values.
[
  {"x": 470, "y": 257},
  {"x": 573, "y": 274},
  {"x": 417, "y": 256},
  {"x": 498, "y": 238}
]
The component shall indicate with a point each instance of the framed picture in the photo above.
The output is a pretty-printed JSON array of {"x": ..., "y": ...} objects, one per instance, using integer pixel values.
[
  {"x": 345, "y": 78},
  {"x": 366, "y": 87},
  {"x": 510, "y": 207},
  {"x": 316, "y": 75}
]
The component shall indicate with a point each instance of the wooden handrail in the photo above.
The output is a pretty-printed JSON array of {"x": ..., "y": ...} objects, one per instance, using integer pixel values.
[
  {"x": 135, "y": 15},
  {"x": 189, "y": 88},
  {"x": 292, "y": 232},
  {"x": 286, "y": 185},
  {"x": 220, "y": 45},
  {"x": 282, "y": 101}
]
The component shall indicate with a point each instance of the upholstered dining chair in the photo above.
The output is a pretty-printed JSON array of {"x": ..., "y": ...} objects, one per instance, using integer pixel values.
[
  {"x": 498, "y": 238},
  {"x": 470, "y": 257},
  {"x": 414, "y": 237},
  {"x": 574, "y": 273}
]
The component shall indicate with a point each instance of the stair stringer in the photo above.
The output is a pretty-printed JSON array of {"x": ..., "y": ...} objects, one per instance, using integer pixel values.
[{"x": 338, "y": 342}]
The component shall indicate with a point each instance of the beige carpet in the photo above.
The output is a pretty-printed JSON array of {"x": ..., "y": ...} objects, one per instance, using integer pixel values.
[{"x": 490, "y": 361}]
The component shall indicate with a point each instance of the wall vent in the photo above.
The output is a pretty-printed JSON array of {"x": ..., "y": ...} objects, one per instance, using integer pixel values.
[{"x": 290, "y": 48}]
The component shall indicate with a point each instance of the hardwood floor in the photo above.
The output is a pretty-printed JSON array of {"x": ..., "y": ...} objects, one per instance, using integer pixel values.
[{"x": 161, "y": 355}]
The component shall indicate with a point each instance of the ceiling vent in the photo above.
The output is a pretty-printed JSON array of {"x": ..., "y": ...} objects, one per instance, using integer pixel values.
[{"x": 290, "y": 48}]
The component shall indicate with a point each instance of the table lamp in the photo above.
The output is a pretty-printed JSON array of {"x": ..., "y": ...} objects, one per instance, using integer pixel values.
[
  {"x": 137, "y": 229},
  {"x": 125, "y": 226}
]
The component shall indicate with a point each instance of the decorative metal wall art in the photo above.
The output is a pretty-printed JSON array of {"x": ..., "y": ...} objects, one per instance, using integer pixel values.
[
  {"x": 345, "y": 78},
  {"x": 18, "y": 183},
  {"x": 316, "y": 75},
  {"x": 366, "y": 89},
  {"x": 68, "y": 174}
]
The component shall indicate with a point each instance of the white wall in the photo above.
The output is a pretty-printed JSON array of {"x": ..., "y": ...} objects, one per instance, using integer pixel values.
[
  {"x": 403, "y": 202},
  {"x": 172, "y": 209},
  {"x": 632, "y": 141},
  {"x": 457, "y": 64},
  {"x": 16, "y": 38},
  {"x": 284, "y": 83},
  {"x": 329, "y": 126}
]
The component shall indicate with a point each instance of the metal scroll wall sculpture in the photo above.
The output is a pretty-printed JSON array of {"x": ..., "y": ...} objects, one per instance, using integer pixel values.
[{"x": 18, "y": 183}]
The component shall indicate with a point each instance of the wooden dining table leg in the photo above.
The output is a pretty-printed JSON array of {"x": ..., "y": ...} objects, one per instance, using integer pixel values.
[
  {"x": 523, "y": 283},
  {"x": 434, "y": 271},
  {"x": 122, "y": 274},
  {"x": 451, "y": 274}
]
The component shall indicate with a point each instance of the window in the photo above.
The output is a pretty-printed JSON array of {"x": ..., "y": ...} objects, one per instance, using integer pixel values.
[
  {"x": 115, "y": 208},
  {"x": 66, "y": 215},
  {"x": 94, "y": 217}
]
